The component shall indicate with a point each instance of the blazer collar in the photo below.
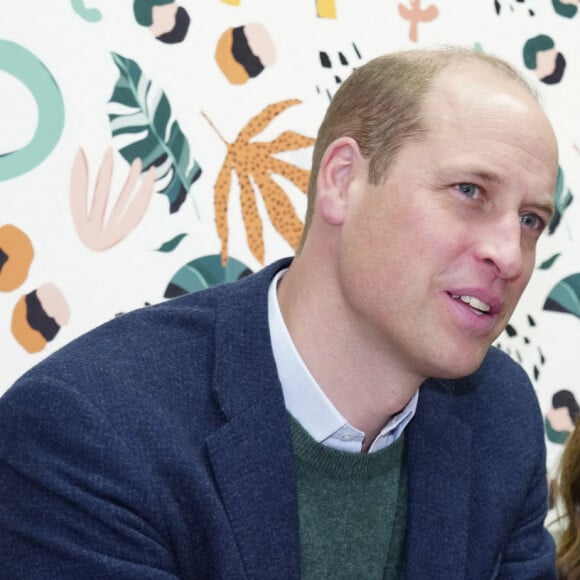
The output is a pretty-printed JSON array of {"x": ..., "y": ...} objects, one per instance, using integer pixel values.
[
  {"x": 439, "y": 475},
  {"x": 252, "y": 454}
]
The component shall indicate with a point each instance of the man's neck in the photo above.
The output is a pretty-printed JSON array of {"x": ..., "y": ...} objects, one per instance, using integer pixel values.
[{"x": 364, "y": 383}]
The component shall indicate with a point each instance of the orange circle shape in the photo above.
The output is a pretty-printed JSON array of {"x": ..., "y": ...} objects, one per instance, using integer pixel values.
[
  {"x": 17, "y": 247},
  {"x": 232, "y": 69},
  {"x": 31, "y": 340}
]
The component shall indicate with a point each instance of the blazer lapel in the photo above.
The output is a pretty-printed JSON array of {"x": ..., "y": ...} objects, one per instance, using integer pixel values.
[
  {"x": 439, "y": 464},
  {"x": 254, "y": 469},
  {"x": 252, "y": 454}
]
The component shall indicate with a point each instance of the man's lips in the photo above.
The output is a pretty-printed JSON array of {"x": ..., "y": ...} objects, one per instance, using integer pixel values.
[{"x": 479, "y": 300}]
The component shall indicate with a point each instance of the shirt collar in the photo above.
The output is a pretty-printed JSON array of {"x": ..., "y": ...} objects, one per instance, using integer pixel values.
[{"x": 307, "y": 402}]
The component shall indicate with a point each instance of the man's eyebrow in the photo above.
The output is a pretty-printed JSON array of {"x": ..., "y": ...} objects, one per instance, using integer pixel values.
[
  {"x": 467, "y": 173},
  {"x": 546, "y": 206},
  {"x": 487, "y": 176}
]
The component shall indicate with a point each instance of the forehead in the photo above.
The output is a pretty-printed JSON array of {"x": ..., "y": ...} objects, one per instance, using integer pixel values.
[
  {"x": 477, "y": 106},
  {"x": 472, "y": 93}
]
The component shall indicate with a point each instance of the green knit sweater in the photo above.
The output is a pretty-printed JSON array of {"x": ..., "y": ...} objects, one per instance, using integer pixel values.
[{"x": 352, "y": 509}]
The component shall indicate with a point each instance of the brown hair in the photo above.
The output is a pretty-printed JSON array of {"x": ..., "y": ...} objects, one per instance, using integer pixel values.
[
  {"x": 379, "y": 106},
  {"x": 568, "y": 491}
]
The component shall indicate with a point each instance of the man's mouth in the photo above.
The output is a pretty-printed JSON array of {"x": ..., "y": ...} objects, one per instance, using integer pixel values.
[{"x": 475, "y": 304}]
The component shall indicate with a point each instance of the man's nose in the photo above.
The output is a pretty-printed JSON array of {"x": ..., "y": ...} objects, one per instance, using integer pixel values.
[{"x": 501, "y": 247}]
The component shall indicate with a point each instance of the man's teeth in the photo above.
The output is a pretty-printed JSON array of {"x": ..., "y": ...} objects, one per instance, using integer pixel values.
[{"x": 473, "y": 302}]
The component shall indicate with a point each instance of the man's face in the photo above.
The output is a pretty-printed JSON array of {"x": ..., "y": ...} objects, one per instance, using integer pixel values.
[{"x": 433, "y": 261}]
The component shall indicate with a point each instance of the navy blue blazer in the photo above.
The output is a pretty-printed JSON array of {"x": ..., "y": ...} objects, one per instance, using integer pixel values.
[{"x": 158, "y": 447}]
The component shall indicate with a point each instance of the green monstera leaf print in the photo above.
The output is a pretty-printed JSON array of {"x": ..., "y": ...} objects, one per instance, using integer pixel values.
[
  {"x": 141, "y": 119},
  {"x": 565, "y": 296},
  {"x": 203, "y": 273}
]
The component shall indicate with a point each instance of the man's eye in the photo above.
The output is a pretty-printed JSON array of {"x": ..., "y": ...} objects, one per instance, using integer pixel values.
[
  {"x": 467, "y": 189},
  {"x": 532, "y": 221}
]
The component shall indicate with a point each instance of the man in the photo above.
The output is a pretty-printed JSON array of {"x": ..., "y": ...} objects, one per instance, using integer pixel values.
[{"x": 339, "y": 416}]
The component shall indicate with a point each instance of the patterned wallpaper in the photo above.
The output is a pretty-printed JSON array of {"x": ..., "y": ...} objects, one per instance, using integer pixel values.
[{"x": 150, "y": 148}]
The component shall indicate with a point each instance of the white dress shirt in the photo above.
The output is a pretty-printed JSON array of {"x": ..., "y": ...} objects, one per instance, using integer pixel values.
[{"x": 308, "y": 403}]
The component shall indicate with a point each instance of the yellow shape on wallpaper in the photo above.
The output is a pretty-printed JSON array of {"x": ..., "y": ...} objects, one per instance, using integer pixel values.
[
  {"x": 232, "y": 2},
  {"x": 326, "y": 8}
]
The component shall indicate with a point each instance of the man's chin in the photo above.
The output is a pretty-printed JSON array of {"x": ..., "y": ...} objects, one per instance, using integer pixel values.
[{"x": 461, "y": 368}]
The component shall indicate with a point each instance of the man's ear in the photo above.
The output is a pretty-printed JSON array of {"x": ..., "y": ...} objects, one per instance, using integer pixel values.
[{"x": 339, "y": 165}]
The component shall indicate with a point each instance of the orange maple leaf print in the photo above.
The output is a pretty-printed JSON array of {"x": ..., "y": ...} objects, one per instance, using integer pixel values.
[{"x": 255, "y": 162}]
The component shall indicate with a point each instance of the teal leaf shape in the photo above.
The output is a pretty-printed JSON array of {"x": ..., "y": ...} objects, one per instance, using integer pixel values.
[
  {"x": 170, "y": 245},
  {"x": 141, "y": 120},
  {"x": 561, "y": 202},
  {"x": 203, "y": 273},
  {"x": 558, "y": 437},
  {"x": 549, "y": 262},
  {"x": 565, "y": 296},
  {"x": 89, "y": 14}
]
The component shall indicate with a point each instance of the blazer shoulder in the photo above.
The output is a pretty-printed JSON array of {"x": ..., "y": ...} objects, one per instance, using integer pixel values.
[{"x": 498, "y": 392}]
